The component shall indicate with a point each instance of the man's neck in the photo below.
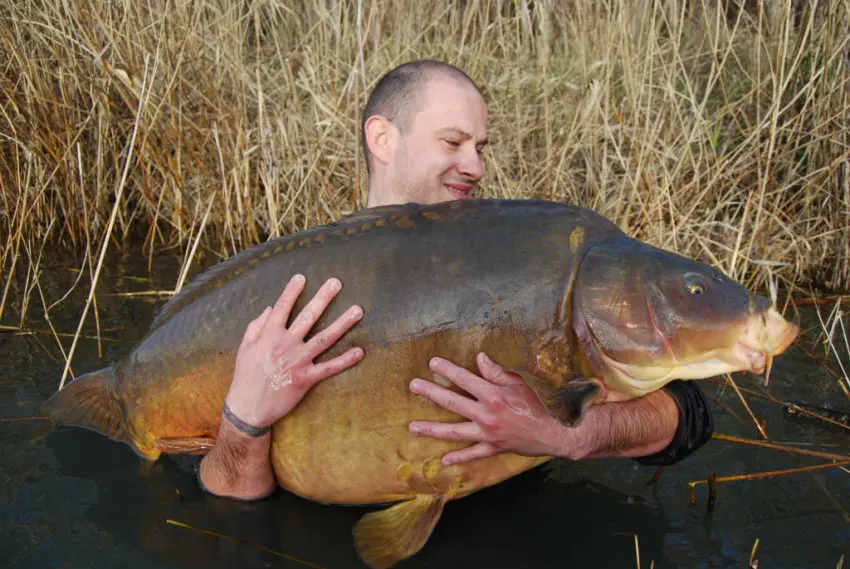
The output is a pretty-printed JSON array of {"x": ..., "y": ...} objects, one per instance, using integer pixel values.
[
  {"x": 381, "y": 194},
  {"x": 375, "y": 200}
]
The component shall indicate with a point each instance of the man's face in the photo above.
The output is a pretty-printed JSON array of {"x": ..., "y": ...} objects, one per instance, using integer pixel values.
[{"x": 439, "y": 158}]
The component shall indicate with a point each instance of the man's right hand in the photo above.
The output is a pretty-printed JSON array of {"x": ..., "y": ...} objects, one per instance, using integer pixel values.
[
  {"x": 274, "y": 365},
  {"x": 274, "y": 370}
]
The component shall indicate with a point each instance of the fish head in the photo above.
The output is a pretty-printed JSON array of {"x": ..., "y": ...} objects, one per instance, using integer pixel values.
[{"x": 644, "y": 317}]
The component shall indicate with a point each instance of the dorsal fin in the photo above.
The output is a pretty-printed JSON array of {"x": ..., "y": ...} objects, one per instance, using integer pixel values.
[{"x": 233, "y": 266}]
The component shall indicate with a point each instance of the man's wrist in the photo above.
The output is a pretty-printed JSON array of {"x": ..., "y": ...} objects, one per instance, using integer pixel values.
[
  {"x": 238, "y": 466},
  {"x": 694, "y": 427},
  {"x": 243, "y": 427},
  {"x": 570, "y": 443}
]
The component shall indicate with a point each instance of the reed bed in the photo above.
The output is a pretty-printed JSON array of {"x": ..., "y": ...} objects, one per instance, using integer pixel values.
[{"x": 717, "y": 129}]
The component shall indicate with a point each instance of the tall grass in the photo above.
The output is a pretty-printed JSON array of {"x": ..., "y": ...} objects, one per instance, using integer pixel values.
[{"x": 712, "y": 129}]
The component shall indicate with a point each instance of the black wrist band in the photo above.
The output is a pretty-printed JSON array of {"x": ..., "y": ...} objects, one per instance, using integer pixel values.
[{"x": 241, "y": 425}]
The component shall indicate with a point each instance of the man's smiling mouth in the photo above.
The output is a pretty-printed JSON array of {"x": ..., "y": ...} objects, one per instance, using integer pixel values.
[{"x": 459, "y": 190}]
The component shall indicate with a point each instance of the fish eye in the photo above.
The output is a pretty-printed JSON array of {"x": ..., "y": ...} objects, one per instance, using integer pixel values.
[
  {"x": 695, "y": 284},
  {"x": 696, "y": 288}
]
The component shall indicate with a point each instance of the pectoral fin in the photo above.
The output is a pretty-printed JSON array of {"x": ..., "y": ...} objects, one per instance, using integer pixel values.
[
  {"x": 566, "y": 403},
  {"x": 384, "y": 538}
]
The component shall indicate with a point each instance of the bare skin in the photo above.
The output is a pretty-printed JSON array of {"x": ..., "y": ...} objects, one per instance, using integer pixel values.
[
  {"x": 506, "y": 415},
  {"x": 438, "y": 159}
]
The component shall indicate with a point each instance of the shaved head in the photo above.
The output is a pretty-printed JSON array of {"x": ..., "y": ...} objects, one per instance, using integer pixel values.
[{"x": 399, "y": 94}]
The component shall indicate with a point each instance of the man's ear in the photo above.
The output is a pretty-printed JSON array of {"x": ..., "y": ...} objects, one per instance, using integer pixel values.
[{"x": 381, "y": 136}]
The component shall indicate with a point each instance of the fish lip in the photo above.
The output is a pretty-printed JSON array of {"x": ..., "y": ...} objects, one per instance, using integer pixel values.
[
  {"x": 782, "y": 342},
  {"x": 755, "y": 357},
  {"x": 791, "y": 333}
]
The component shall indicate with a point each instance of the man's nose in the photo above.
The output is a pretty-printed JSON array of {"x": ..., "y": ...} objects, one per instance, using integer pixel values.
[{"x": 471, "y": 166}]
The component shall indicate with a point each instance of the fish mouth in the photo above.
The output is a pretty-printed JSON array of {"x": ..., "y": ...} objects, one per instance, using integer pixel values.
[
  {"x": 750, "y": 359},
  {"x": 759, "y": 357},
  {"x": 764, "y": 336},
  {"x": 768, "y": 335}
]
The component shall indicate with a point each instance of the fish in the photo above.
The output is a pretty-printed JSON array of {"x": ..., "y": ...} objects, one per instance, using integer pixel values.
[{"x": 554, "y": 292}]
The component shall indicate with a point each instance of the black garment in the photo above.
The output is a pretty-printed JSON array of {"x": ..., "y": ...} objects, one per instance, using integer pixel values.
[{"x": 696, "y": 425}]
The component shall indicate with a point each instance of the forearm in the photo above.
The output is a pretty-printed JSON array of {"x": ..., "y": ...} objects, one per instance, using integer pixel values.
[
  {"x": 274, "y": 370},
  {"x": 238, "y": 466},
  {"x": 635, "y": 428},
  {"x": 505, "y": 414}
]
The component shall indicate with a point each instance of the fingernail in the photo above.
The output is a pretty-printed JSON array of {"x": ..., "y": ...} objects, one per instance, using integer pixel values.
[
  {"x": 446, "y": 461},
  {"x": 415, "y": 384},
  {"x": 415, "y": 429},
  {"x": 357, "y": 313},
  {"x": 435, "y": 361},
  {"x": 335, "y": 284},
  {"x": 299, "y": 278}
]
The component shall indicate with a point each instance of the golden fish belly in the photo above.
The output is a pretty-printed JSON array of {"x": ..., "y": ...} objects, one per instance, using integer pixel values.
[{"x": 348, "y": 441}]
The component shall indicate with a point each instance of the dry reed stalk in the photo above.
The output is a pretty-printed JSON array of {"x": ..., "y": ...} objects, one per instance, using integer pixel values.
[
  {"x": 634, "y": 536},
  {"x": 714, "y": 480},
  {"x": 88, "y": 255},
  {"x": 787, "y": 404},
  {"x": 53, "y": 333},
  {"x": 118, "y": 193},
  {"x": 777, "y": 446},
  {"x": 245, "y": 542},
  {"x": 752, "y": 415},
  {"x": 712, "y": 130},
  {"x": 829, "y": 331},
  {"x": 753, "y": 562}
]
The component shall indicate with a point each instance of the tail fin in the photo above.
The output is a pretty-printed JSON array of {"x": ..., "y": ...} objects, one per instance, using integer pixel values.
[{"x": 86, "y": 402}]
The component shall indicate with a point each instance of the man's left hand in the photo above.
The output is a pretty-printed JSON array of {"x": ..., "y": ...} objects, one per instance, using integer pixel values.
[{"x": 505, "y": 414}]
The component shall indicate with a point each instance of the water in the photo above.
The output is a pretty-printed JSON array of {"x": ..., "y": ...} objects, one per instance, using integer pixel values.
[{"x": 70, "y": 498}]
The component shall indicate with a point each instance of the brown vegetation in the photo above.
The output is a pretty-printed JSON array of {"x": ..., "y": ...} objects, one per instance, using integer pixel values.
[{"x": 715, "y": 131}]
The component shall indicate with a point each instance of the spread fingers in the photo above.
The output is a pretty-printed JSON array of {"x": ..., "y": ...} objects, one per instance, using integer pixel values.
[
  {"x": 328, "y": 337},
  {"x": 314, "y": 309},
  {"x": 446, "y": 398},
  {"x": 447, "y": 431},
  {"x": 334, "y": 366},
  {"x": 475, "y": 452},
  {"x": 495, "y": 373},
  {"x": 476, "y": 386},
  {"x": 279, "y": 315}
]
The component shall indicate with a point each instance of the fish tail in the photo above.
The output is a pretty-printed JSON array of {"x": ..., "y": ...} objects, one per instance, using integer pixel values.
[{"x": 87, "y": 402}]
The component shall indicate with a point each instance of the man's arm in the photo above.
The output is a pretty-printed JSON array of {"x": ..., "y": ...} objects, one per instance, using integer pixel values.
[
  {"x": 506, "y": 415},
  {"x": 274, "y": 370}
]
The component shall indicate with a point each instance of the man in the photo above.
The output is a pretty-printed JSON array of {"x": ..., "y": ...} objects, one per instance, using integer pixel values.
[{"x": 424, "y": 128}]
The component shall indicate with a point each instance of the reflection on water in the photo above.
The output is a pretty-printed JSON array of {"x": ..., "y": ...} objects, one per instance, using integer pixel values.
[{"x": 72, "y": 498}]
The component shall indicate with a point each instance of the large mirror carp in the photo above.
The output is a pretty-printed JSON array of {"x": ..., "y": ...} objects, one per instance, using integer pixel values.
[{"x": 556, "y": 293}]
